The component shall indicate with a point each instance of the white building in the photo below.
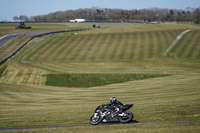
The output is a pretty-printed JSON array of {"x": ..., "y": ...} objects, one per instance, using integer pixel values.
[{"x": 77, "y": 20}]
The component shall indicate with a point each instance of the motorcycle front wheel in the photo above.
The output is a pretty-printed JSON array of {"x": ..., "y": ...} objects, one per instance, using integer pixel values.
[
  {"x": 127, "y": 118},
  {"x": 95, "y": 119}
]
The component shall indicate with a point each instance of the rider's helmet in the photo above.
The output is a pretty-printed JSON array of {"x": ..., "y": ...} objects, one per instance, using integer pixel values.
[{"x": 113, "y": 100}]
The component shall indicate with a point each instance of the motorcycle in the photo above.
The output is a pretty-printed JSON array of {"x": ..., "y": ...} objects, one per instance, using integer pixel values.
[{"x": 109, "y": 114}]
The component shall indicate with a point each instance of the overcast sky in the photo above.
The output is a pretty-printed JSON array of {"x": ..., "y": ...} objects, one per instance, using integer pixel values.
[{"x": 10, "y": 8}]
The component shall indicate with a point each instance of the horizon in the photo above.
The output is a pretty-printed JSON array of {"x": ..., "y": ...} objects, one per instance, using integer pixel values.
[{"x": 9, "y": 9}]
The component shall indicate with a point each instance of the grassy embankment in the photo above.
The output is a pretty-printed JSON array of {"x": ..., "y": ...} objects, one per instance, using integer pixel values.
[{"x": 136, "y": 49}]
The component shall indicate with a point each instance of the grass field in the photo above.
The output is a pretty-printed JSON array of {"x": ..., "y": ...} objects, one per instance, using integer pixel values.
[
  {"x": 188, "y": 47},
  {"x": 114, "y": 51},
  {"x": 91, "y": 80},
  {"x": 8, "y": 28},
  {"x": 11, "y": 46}
]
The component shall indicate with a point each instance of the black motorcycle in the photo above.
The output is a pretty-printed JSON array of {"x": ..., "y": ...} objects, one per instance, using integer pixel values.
[{"x": 109, "y": 114}]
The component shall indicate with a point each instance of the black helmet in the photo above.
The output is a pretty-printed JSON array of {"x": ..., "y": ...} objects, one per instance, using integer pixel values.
[{"x": 113, "y": 100}]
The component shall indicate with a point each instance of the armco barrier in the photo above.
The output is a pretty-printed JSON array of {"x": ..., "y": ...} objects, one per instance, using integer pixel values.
[{"x": 40, "y": 35}]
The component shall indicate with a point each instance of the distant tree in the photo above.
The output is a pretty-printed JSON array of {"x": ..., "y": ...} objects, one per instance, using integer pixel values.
[
  {"x": 170, "y": 16},
  {"x": 152, "y": 14},
  {"x": 196, "y": 16},
  {"x": 23, "y": 18},
  {"x": 179, "y": 16},
  {"x": 32, "y": 18},
  {"x": 15, "y": 18}
]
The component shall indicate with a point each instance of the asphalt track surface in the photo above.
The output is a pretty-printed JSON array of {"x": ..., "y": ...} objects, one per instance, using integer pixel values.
[
  {"x": 103, "y": 124},
  {"x": 6, "y": 38}
]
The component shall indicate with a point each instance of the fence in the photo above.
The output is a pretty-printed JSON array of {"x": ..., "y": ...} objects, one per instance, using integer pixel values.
[{"x": 40, "y": 35}]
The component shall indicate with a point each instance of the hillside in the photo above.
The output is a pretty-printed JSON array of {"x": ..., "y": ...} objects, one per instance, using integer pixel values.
[{"x": 125, "y": 61}]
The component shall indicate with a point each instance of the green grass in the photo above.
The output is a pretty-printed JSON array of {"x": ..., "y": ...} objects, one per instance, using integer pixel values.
[
  {"x": 188, "y": 127},
  {"x": 26, "y": 100},
  {"x": 188, "y": 47},
  {"x": 101, "y": 47},
  {"x": 91, "y": 80},
  {"x": 2, "y": 69},
  {"x": 158, "y": 99},
  {"x": 7, "y": 49},
  {"x": 8, "y": 28}
]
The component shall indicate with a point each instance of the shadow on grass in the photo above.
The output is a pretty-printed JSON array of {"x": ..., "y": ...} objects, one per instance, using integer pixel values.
[
  {"x": 117, "y": 122},
  {"x": 134, "y": 121}
]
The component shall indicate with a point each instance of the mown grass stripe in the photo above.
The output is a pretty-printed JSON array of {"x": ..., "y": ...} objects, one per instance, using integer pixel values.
[
  {"x": 191, "y": 46},
  {"x": 194, "y": 45},
  {"x": 111, "y": 44},
  {"x": 165, "y": 40},
  {"x": 158, "y": 35},
  {"x": 154, "y": 51},
  {"x": 180, "y": 45},
  {"x": 142, "y": 46},
  {"x": 107, "y": 45},
  {"x": 82, "y": 46},
  {"x": 97, "y": 47},
  {"x": 64, "y": 48},
  {"x": 196, "y": 50},
  {"x": 56, "y": 53},
  {"x": 51, "y": 53},
  {"x": 13, "y": 75},
  {"x": 111, "y": 49},
  {"x": 162, "y": 40},
  {"x": 134, "y": 46},
  {"x": 88, "y": 50},
  {"x": 126, "y": 47},
  {"x": 42, "y": 47},
  {"x": 48, "y": 47},
  {"x": 37, "y": 48},
  {"x": 138, "y": 44},
  {"x": 72, "y": 47},
  {"x": 129, "y": 46},
  {"x": 170, "y": 37},
  {"x": 102, "y": 48},
  {"x": 7, "y": 74},
  {"x": 33, "y": 77},
  {"x": 175, "y": 34},
  {"x": 20, "y": 78},
  {"x": 116, "y": 46},
  {"x": 151, "y": 45},
  {"x": 26, "y": 76},
  {"x": 147, "y": 43},
  {"x": 120, "y": 48},
  {"x": 185, "y": 47}
]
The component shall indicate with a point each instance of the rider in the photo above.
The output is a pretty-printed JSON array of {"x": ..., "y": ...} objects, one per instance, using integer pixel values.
[{"x": 114, "y": 104}]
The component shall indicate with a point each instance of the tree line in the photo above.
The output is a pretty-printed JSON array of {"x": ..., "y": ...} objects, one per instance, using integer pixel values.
[{"x": 152, "y": 14}]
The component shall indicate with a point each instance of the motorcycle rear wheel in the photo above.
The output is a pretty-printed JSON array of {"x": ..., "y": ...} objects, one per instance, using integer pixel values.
[
  {"x": 126, "y": 119},
  {"x": 95, "y": 121}
]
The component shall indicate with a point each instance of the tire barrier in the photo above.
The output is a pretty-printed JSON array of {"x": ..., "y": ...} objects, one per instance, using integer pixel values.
[{"x": 40, "y": 35}]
